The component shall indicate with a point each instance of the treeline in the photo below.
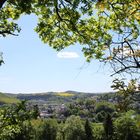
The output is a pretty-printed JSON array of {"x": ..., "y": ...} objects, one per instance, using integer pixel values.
[
  {"x": 125, "y": 127},
  {"x": 18, "y": 122},
  {"x": 84, "y": 120}
]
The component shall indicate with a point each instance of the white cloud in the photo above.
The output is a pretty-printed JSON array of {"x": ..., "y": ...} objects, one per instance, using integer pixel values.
[{"x": 67, "y": 55}]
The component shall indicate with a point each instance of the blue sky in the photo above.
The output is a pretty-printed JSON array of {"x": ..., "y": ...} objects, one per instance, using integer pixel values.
[{"x": 32, "y": 66}]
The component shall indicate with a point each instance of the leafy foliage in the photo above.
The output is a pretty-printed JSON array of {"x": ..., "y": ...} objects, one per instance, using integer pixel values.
[
  {"x": 74, "y": 129},
  {"x": 126, "y": 128},
  {"x": 1, "y": 59},
  {"x": 126, "y": 94},
  {"x": 15, "y": 122},
  {"x": 107, "y": 30},
  {"x": 46, "y": 129},
  {"x": 88, "y": 131},
  {"x": 108, "y": 127},
  {"x": 104, "y": 106}
]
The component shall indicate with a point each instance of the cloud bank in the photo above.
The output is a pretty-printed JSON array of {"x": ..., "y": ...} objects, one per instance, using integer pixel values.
[{"x": 67, "y": 55}]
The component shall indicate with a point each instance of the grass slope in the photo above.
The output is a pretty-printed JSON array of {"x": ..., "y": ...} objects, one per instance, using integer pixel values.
[{"x": 5, "y": 99}]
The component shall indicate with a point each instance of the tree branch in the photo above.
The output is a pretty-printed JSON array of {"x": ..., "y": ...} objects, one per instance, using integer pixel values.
[
  {"x": 68, "y": 1},
  {"x": 137, "y": 63},
  {"x": 123, "y": 69},
  {"x": 7, "y": 32}
]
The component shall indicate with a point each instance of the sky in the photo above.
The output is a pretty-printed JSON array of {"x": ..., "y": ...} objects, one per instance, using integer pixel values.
[{"x": 32, "y": 66}]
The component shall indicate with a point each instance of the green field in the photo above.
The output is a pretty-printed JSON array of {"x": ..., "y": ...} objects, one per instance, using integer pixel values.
[
  {"x": 5, "y": 99},
  {"x": 64, "y": 94}
]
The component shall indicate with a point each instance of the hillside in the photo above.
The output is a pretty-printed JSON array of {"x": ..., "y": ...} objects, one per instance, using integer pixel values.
[
  {"x": 5, "y": 99},
  {"x": 53, "y": 97}
]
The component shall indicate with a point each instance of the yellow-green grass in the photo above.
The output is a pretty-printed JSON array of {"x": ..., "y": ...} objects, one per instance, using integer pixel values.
[
  {"x": 64, "y": 94},
  {"x": 5, "y": 99}
]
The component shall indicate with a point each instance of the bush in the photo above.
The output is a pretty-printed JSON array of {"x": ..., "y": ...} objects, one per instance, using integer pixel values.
[
  {"x": 126, "y": 127},
  {"x": 45, "y": 129}
]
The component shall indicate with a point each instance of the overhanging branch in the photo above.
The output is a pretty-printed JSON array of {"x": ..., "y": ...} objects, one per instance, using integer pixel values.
[{"x": 3, "y": 33}]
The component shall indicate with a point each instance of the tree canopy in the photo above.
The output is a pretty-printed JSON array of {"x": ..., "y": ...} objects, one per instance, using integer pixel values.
[{"x": 108, "y": 30}]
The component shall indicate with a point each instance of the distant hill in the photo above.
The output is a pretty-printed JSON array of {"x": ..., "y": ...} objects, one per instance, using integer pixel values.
[
  {"x": 53, "y": 97},
  {"x": 58, "y": 97},
  {"x": 5, "y": 99}
]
